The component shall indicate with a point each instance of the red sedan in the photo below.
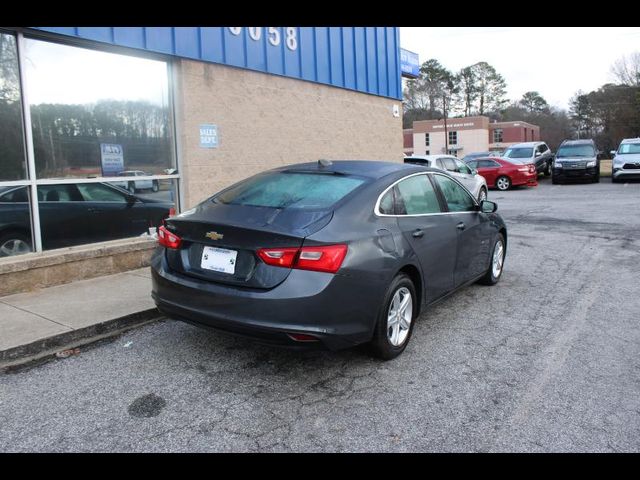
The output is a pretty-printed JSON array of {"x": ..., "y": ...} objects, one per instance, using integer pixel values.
[{"x": 504, "y": 174}]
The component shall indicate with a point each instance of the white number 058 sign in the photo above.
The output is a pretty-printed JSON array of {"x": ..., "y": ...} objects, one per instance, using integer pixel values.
[{"x": 273, "y": 35}]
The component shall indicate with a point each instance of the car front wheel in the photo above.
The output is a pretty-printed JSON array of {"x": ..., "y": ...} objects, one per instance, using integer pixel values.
[
  {"x": 547, "y": 170},
  {"x": 132, "y": 187},
  {"x": 496, "y": 262},
  {"x": 395, "y": 321}
]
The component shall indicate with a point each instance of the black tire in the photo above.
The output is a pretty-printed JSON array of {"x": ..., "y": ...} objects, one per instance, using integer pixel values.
[
  {"x": 614, "y": 179},
  {"x": 131, "y": 187},
  {"x": 508, "y": 183},
  {"x": 482, "y": 189},
  {"x": 555, "y": 181},
  {"x": 489, "y": 278},
  {"x": 547, "y": 170},
  {"x": 6, "y": 243},
  {"x": 155, "y": 186},
  {"x": 381, "y": 347},
  {"x": 596, "y": 179}
]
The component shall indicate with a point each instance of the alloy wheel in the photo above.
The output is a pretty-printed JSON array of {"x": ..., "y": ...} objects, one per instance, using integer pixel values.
[
  {"x": 498, "y": 259},
  {"x": 503, "y": 183},
  {"x": 399, "y": 317},
  {"x": 14, "y": 246}
]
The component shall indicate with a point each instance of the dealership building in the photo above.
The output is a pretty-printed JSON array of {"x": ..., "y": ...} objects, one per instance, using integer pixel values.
[
  {"x": 173, "y": 115},
  {"x": 465, "y": 135}
]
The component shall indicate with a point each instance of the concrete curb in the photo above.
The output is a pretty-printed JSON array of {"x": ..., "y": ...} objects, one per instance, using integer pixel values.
[{"x": 47, "y": 347}]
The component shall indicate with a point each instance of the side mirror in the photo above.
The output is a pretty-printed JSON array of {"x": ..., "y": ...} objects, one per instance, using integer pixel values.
[
  {"x": 131, "y": 199},
  {"x": 613, "y": 153},
  {"x": 474, "y": 171},
  {"x": 538, "y": 154},
  {"x": 487, "y": 206}
]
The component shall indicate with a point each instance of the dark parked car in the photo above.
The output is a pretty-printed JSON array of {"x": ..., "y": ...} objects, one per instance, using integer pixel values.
[
  {"x": 576, "y": 160},
  {"x": 74, "y": 214},
  {"x": 327, "y": 254},
  {"x": 474, "y": 155}
]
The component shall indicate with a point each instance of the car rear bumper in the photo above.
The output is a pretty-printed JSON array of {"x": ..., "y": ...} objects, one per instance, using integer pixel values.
[
  {"x": 527, "y": 179},
  {"x": 333, "y": 308}
]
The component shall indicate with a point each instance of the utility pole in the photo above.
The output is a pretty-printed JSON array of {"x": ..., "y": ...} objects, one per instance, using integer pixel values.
[{"x": 446, "y": 135}]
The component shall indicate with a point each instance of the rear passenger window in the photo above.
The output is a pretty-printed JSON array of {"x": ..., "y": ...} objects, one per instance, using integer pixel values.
[
  {"x": 417, "y": 196},
  {"x": 488, "y": 164},
  {"x": 386, "y": 203}
]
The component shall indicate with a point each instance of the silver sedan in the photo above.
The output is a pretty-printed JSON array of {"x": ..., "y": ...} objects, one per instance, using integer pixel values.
[{"x": 469, "y": 177}]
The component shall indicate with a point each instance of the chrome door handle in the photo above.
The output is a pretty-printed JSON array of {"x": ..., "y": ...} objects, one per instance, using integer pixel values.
[
  {"x": 460, "y": 226},
  {"x": 417, "y": 233}
]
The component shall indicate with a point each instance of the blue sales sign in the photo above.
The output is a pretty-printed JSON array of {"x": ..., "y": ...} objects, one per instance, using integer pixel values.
[
  {"x": 409, "y": 63},
  {"x": 208, "y": 136}
]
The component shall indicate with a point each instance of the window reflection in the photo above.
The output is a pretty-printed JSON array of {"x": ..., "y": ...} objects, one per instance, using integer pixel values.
[
  {"x": 15, "y": 221},
  {"x": 96, "y": 113},
  {"x": 79, "y": 213},
  {"x": 12, "y": 157}
]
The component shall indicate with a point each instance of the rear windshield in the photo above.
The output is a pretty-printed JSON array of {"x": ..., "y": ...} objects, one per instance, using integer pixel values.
[
  {"x": 289, "y": 190},
  {"x": 518, "y": 152},
  {"x": 418, "y": 161},
  {"x": 576, "y": 151},
  {"x": 629, "y": 148}
]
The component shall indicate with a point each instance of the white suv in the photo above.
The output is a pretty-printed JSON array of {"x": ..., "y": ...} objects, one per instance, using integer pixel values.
[
  {"x": 134, "y": 185},
  {"x": 626, "y": 161},
  {"x": 467, "y": 176}
]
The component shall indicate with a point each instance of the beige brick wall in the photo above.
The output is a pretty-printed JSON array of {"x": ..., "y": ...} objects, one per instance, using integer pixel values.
[{"x": 265, "y": 121}]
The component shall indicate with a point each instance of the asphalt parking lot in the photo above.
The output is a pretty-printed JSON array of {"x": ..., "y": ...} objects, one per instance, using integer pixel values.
[{"x": 547, "y": 360}]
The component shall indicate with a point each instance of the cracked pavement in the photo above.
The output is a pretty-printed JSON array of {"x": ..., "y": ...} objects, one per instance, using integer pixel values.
[{"x": 547, "y": 360}]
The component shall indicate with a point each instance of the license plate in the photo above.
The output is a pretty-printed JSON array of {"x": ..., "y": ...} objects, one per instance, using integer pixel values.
[{"x": 219, "y": 259}]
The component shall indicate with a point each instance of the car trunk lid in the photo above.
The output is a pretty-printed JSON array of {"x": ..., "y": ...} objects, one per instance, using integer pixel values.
[{"x": 219, "y": 241}]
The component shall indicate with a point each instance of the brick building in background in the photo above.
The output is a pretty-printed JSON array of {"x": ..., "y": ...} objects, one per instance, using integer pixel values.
[{"x": 466, "y": 135}]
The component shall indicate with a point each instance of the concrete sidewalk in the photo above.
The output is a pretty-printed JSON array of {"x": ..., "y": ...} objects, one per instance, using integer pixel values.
[{"x": 38, "y": 324}]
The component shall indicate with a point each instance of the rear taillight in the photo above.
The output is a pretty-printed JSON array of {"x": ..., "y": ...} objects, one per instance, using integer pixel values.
[
  {"x": 278, "y": 257},
  {"x": 320, "y": 259},
  {"x": 168, "y": 239}
]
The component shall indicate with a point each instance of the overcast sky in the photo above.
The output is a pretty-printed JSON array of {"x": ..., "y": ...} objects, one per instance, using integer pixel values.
[
  {"x": 555, "y": 61},
  {"x": 63, "y": 74}
]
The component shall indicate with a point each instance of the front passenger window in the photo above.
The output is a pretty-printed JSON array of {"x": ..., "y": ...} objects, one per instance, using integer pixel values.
[
  {"x": 457, "y": 198},
  {"x": 417, "y": 195},
  {"x": 463, "y": 168}
]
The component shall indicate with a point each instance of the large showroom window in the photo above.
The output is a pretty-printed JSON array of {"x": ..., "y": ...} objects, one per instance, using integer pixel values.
[{"x": 100, "y": 145}]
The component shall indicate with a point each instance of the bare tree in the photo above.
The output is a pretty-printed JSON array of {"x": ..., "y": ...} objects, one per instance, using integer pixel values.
[{"x": 626, "y": 70}]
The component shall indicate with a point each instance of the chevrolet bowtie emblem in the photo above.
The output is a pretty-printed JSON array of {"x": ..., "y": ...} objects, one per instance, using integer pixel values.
[{"x": 214, "y": 235}]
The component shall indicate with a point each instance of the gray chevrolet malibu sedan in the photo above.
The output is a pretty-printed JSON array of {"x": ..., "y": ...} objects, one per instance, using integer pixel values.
[{"x": 327, "y": 254}]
